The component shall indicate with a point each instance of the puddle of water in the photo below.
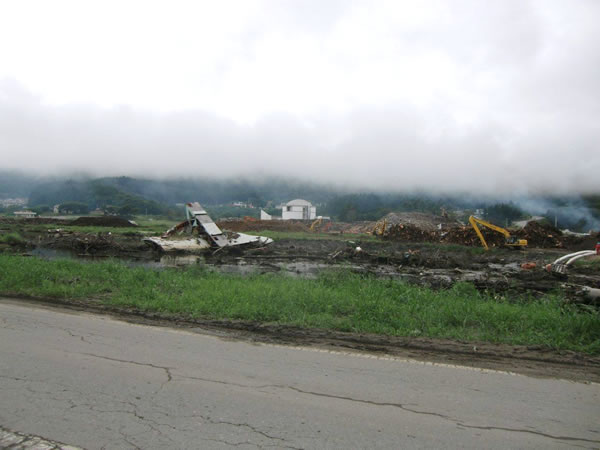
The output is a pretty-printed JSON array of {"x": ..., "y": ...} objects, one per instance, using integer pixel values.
[
  {"x": 295, "y": 268},
  {"x": 240, "y": 266}
]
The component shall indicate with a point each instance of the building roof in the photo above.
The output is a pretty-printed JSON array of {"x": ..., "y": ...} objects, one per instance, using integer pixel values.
[{"x": 298, "y": 202}]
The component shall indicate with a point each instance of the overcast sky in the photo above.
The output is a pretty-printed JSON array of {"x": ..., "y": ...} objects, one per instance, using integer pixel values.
[{"x": 456, "y": 94}]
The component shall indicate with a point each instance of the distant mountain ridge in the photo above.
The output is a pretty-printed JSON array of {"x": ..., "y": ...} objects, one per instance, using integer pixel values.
[{"x": 159, "y": 196}]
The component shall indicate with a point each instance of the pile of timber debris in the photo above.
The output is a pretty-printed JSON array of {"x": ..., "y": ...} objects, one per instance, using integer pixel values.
[
  {"x": 468, "y": 236},
  {"x": 83, "y": 243},
  {"x": 541, "y": 235},
  {"x": 411, "y": 233},
  {"x": 424, "y": 221}
]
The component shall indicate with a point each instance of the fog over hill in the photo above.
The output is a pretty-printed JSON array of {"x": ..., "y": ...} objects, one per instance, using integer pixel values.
[{"x": 462, "y": 96}]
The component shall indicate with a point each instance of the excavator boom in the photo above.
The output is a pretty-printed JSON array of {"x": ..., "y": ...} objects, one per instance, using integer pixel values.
[{"x": 511, "y": 241}]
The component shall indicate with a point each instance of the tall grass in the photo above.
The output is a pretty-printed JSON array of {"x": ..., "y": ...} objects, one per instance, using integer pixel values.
[
  {"x": 12, "y": 238},
  {"x": 336, "y": 300}
]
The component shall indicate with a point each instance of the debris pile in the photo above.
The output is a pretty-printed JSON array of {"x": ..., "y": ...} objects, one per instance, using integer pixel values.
[
  {"x": 541, "y": 235},
  {"x": 423, "y": 221},
  {"x": 468, "y": 236},
  {"x": 411, "y": 233},
  {"x": 580, "y": 242},
  {"x": 83, "y": 243},
  {"x": 361, "y": 227}
]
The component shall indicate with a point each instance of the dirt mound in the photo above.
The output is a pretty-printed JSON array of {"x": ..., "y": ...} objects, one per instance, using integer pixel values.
[
  {"x": 103, "y": 221},
  {"x": 259, "y": 225},
  {"x": 35, "y": 221}
]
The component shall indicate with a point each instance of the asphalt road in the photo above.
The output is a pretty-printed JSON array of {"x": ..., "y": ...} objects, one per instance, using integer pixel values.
[{"x": 95, "y": 382}]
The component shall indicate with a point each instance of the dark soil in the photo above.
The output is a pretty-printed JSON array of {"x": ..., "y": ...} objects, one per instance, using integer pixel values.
[
  {"x": 103, "y": 221},
  {"x": 259, "y": 225}
]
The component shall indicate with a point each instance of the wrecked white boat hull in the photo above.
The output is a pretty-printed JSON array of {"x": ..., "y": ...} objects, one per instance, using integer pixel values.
[
  {"x": 199, "y": 245},
  {"x": 203, "y": 234}
]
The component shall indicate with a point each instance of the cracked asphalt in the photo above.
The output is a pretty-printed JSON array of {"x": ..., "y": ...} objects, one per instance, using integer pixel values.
[{"x": 95, "y": 382}]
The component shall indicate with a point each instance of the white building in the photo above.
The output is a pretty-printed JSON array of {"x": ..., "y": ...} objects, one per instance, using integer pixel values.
[
  {"x": 298, "y": 210},
  {"x": 6, "y": 202},
  {"x": 25, "y": 214},
  {"x": 265, "y": 216}
]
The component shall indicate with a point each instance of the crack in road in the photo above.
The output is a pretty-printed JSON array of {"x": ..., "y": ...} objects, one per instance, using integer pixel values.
[
  {"x": 396, "y": 405},
  {"x": 401, "y": 406},
  {"x": 368, "y": 402},
  {"x": 232, "y": 444},
  {"x": 166, "y": 369},
  {"x": 537, "y": 433},
  {"x": 404, "y": 408},
  {"x": 254, "y": 429}
]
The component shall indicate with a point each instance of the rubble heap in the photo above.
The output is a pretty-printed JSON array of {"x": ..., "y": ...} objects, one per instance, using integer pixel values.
[
  {"x": 407, "y": 232},
  {"x": 541, "y": 235},
  {"x": 468, "y": 236},
  {"x": 423, "y": 221}
]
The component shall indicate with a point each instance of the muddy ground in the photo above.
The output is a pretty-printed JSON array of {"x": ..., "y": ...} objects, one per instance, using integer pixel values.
[
  {"x": 437, "y": 266},
  {"x": 499, "y": 270}
]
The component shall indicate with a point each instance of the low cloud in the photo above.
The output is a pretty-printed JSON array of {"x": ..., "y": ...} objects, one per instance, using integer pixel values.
[{"x": 491, "y": 97}]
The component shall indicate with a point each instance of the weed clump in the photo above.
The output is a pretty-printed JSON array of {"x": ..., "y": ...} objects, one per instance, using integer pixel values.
[{"x": 13, "y": 239}]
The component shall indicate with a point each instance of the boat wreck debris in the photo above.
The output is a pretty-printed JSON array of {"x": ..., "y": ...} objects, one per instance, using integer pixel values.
[{"x": 199, "y": 233}]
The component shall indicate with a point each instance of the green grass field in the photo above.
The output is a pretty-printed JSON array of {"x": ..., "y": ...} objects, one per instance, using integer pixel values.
[{"x": 336, "y": 300}]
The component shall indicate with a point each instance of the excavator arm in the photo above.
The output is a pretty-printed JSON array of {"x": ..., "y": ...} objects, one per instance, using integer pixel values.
[
  {"x": 511, "y": 241},
  {"x": 314, "y": 226}
]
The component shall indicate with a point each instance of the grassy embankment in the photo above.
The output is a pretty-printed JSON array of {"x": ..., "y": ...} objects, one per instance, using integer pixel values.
[{"x": 336, "y": 300}]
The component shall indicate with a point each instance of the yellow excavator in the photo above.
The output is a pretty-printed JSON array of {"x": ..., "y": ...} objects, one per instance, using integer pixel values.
[
  {"x": 511, "y": 241},
  {"x": 316, "y": 224},
  {"x": 379, "y": 229}
]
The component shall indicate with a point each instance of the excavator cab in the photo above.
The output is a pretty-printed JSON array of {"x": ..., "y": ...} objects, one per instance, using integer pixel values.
[{"x": 513, "y": 241}]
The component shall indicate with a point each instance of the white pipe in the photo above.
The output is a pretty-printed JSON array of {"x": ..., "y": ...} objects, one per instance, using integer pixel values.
[
  {"x": 570, "y": 255},
  {"x": 583, "y": 255}
]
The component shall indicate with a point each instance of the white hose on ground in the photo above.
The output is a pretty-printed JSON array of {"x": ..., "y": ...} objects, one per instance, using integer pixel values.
[
  {"x": 591, "y": 293},
  {"x": 583, "y": 255},
  {"x": 571, "y": 255}
]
